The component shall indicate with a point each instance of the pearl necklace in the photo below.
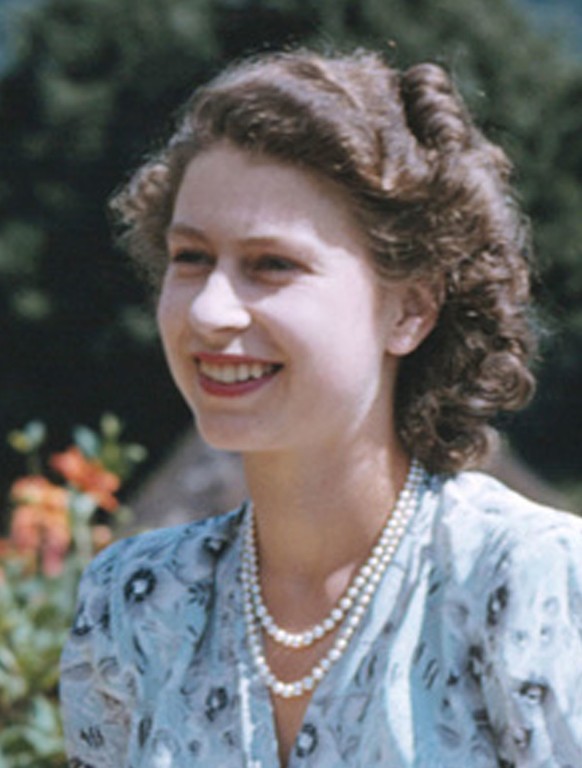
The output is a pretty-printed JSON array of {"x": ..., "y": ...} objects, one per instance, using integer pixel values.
[{"x": 349, "y": 610}]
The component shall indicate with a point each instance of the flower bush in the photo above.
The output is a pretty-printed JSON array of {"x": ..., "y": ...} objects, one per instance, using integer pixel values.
[{"x": 62, "y": 512}]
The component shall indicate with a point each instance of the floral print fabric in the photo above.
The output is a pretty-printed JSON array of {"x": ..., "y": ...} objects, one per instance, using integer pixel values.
[{"x": 470, "y": 654}]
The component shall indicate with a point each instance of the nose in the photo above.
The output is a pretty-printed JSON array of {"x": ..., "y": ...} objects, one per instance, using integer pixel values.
[{"x": 218, "y": 306}]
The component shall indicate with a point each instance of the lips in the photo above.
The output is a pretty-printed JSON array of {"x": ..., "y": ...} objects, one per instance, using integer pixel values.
[{"x": 231, "y": 376}]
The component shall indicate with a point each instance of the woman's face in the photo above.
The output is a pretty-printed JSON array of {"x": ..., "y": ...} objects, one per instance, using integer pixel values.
[{"x": 275, "y": 326}]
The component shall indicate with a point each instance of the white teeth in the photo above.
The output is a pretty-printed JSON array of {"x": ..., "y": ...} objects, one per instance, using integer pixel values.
[{"x": 230, "y": 373}]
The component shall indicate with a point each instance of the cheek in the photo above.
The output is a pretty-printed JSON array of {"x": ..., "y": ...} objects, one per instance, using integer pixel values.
[
  {"x": 170, "y": 325},
  {"x": 170, "y": 332},
  {"x": 169, "y": 314},
  {"x": 163, "y": 317}
]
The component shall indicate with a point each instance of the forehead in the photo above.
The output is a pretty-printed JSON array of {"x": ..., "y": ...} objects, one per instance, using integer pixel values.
[{"x": 255, "y": 195}]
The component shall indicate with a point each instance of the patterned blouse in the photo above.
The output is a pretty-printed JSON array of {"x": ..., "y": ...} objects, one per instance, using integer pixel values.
[{"x": 470, "y": 655}]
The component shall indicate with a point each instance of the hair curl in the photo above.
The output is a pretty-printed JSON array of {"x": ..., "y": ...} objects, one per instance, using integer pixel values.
[{"x": 429, "y": 190}]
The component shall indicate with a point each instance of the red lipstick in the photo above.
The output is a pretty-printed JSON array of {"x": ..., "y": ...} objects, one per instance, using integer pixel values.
[{"x": 244, "y": 382}]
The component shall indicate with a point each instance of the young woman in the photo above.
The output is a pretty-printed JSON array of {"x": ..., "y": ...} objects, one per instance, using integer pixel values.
[{"x": 343, "y": 298}]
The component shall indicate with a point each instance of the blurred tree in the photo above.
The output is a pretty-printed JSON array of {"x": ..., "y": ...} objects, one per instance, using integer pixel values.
[{"x": 88, "y": 85}]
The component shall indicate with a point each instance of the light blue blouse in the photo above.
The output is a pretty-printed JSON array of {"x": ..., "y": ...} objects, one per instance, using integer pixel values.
[{"x": 469, "y": 657}]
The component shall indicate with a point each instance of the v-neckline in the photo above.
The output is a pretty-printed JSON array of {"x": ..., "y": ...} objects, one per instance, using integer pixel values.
[
  {"x": 257, "y": 700},
  {"x": 256, "y": 696}
]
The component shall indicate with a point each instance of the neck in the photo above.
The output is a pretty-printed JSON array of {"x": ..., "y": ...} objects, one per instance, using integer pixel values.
[{"x": 318, "y": 512}]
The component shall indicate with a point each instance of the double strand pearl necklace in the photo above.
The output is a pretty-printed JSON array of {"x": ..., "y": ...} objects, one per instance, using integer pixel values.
[{"x": 348, "y": 611}]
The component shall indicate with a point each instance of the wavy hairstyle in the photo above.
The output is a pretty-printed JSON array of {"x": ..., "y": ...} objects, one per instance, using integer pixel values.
[{"x": 431, "y": 193}]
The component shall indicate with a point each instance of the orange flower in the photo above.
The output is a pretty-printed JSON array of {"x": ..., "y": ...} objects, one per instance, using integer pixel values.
[
  {"x": 40, "y": 522},
  {"x": 89, "y": 476},
  {"x": 39, "y": 491},
  {"x": 27, "y": 528},
  {"x": 36, "y": 533},
  {"x": 56, "y": 544}
]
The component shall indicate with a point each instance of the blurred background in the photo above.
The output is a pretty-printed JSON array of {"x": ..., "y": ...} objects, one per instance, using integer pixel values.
[{"x": 88, "y": 86}]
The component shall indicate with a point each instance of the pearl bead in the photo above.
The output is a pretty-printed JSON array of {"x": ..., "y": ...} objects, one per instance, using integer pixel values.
[
  {"x": 350, "y": 609},
  {"x": 328, "y": 624}
]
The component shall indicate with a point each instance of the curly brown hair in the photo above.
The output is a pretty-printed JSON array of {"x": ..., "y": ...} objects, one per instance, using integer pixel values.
[{"x": 429, "y": 190}]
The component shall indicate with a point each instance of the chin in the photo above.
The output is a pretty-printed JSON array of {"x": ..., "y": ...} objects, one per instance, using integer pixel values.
[{"x": 234, "y": 438}]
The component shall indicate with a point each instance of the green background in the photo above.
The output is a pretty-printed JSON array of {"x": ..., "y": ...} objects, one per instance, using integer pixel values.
[{"x": 87, "y": 86}]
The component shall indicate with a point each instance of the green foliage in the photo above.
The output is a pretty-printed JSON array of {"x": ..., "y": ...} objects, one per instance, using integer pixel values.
[
  {"x": 106, "y": 446},
  {"x": 90, "y": 84},
  {"x": 37, "y": 604},
  {"x": 35, "y": 615}
]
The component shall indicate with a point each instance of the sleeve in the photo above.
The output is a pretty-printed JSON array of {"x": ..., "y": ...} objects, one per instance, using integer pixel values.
[
  {"x": 530, "y": 664},
  {"x": 94, "y": 701}
]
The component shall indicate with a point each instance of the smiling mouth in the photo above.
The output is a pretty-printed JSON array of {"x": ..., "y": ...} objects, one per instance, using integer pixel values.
[{"x": 236, "y": 373}]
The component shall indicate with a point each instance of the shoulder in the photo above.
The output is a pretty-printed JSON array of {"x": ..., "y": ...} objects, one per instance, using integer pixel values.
[
  {"x": 480, "y": 520},
  {"x": 480, "y": 494},
  {"x": 475, "y": 500},
  {"x": 142, "y": 609},
  {"x": 152, "y": 575},
  {"x": 187, "y": 551},
  {"x": 515, "y": 596}
]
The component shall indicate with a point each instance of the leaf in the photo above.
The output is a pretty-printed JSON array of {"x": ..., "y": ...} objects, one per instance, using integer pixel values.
[
  {"x": 111, "y": 426},
  {"x": 88, "y": 441},
  {"x": 83, "y": 505},
  {"x": 29, "y": 438}
]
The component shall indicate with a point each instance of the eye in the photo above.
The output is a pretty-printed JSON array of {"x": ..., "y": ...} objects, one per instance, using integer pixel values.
[
  {"x": 190, "y": 256},
  {"x": 273, "y": 263},
  {"x": 193, "y": 256}
]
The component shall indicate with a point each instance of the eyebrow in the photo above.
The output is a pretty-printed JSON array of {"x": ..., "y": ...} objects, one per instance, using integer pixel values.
[
  {"x": 187, "y": 230},
  {"x": 181, "y": 229}
]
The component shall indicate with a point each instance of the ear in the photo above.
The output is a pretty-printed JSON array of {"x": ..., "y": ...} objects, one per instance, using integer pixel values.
[{"x": 417, "y": 307}]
